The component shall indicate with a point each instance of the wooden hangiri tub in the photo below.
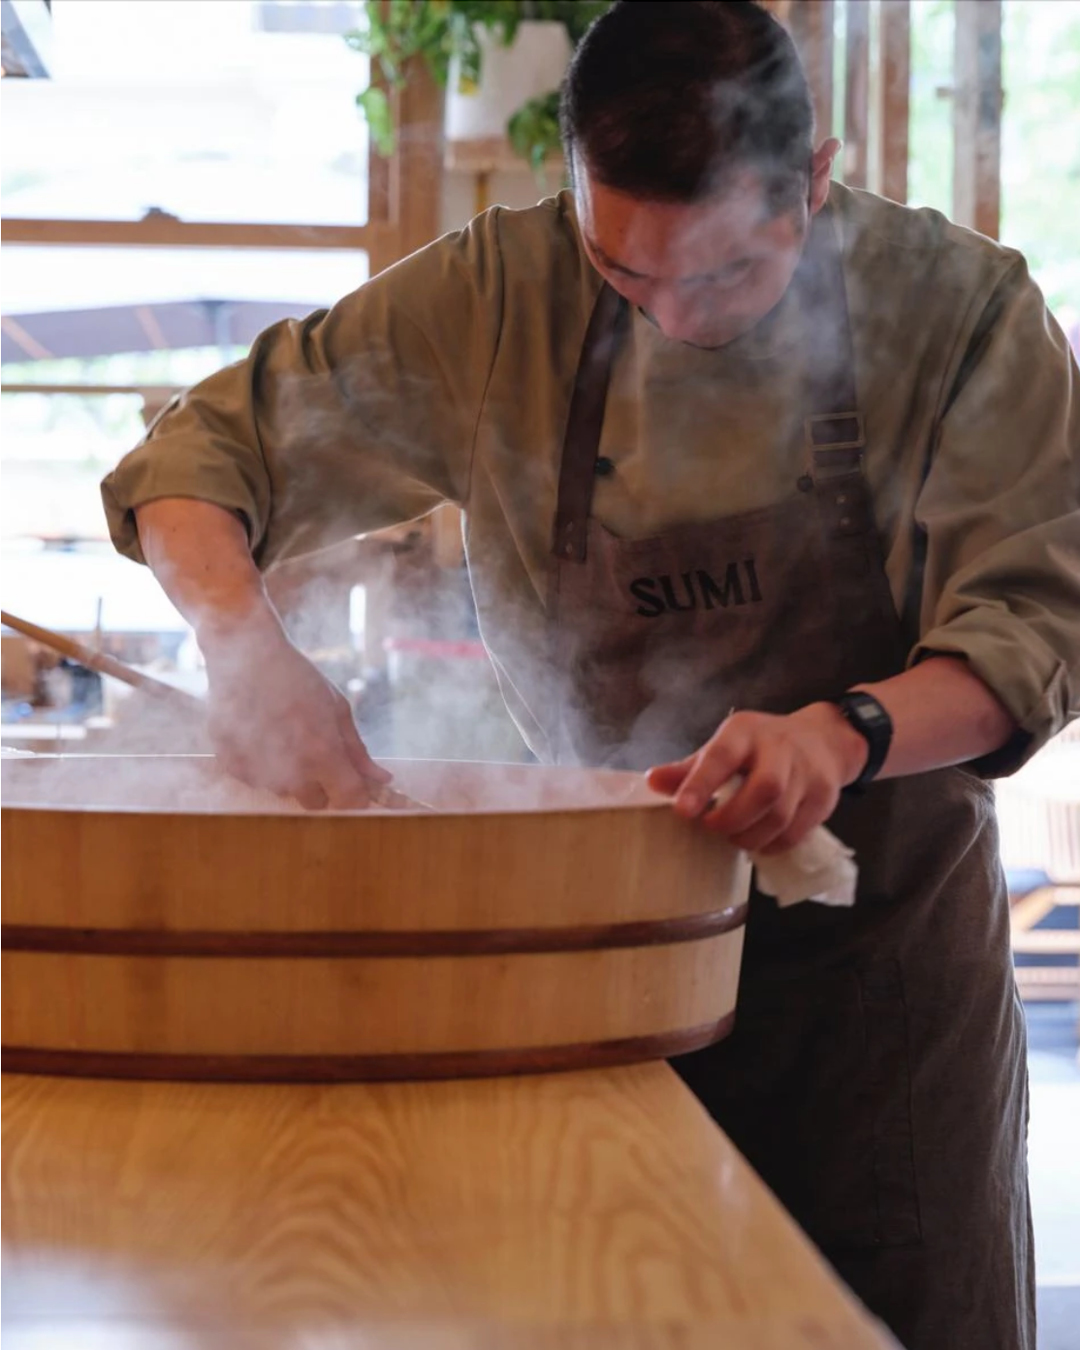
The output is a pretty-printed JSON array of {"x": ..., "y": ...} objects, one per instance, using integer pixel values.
[{"x": 542, "y": 919}]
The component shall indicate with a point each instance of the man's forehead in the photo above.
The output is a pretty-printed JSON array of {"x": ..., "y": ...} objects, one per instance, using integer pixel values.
[{"x": 654, "y": 238}]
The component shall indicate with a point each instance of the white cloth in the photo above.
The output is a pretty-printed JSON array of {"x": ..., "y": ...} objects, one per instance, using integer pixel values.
[{"x": 821, "y": 868}]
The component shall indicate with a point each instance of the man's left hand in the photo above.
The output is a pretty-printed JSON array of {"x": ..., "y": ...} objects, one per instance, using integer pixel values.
[{"x": 793, "y": 768}]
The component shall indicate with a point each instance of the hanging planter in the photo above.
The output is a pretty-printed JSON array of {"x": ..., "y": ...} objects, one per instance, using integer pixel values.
[
  {"x": 500, "y": 61},
  {"x": 512, "y": 79}
]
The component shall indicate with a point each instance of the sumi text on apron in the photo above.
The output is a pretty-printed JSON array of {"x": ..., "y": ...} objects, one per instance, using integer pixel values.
[{"x": 876, "y": 1075}]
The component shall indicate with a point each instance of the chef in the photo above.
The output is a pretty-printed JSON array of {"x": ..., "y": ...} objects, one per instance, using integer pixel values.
[{"x": 761, "y": 477}]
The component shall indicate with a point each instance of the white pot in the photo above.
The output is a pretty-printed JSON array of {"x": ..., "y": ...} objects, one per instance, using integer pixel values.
[{"x": 533, "y": 64}]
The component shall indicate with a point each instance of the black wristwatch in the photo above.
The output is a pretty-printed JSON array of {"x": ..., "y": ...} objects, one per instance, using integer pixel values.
[{"x": 874, "y": 725}]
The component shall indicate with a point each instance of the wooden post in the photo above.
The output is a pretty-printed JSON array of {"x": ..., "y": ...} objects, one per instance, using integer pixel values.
[
  {"x": 447, "y": 543},
  {"x": 811, "y": 26},
  {"x": 857, "y": 93},
  {"x": 419, "y": 158},
  {"x": 380, "y": 198},
  {"x": 895, "y": 88},
  {"x": 977, "y": 116},
  {"x": 406, "y": 191}
]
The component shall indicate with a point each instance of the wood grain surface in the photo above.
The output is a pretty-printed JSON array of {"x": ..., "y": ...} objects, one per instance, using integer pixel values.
[{"x": 595, "y": 1210}]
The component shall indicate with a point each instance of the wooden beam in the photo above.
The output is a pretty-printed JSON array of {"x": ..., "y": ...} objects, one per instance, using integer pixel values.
[
  {"x": 30, "y": 345},
  {"x": 380, "y": 209},
  {"x": 154, "y": 397},
  {"x": 168, "y": 232},
  {"x": 447, "y": 542},
  {"x": 811, "y": 25},
  {"x": 1047, "y": 984},
  {"x": 977, "y": 116},
  {"x": 895, "y": 90},
  {"x": 150, "y": 326},
  {"x": 407, "y": 188},
  {"x": 420, "y": 159},
  {"x": 27, "y": 39},
  {"x": 1047, "y": 942},
  {"x": 163, "y": 392},
  {"x": 857, "y": 93},
  {"x": 1031, "y": 909}
]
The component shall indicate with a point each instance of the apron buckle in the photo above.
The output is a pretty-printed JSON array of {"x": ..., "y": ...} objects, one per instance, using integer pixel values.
[
  {"x": 835, "y": 431},
  {"x": 835, "y": 442}
]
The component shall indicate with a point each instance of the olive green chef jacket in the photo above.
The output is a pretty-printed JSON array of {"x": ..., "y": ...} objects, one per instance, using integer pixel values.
[{"x": 448, "y": 378}]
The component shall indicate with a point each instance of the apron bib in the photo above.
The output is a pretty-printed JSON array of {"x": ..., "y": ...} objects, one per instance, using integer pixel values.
[{"x": 875, "y": 1078}]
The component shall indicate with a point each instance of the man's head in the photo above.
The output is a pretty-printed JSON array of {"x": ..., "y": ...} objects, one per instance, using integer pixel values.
[{"x": 688, "y": 127}]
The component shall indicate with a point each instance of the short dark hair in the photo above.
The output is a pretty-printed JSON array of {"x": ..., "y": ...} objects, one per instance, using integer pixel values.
[{"x": 665, "y": 99}]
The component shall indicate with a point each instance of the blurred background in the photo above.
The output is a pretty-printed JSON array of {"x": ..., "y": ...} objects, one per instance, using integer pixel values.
[{"x": 176, "y": 176}]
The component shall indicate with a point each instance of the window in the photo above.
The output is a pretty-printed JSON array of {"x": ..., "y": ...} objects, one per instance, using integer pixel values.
[
  {"x": 1040, "y": 168},
  {"x": 84, "y": 304},
  {"x": 202, "y": 111},
  {"x": 207, "y": 125}
]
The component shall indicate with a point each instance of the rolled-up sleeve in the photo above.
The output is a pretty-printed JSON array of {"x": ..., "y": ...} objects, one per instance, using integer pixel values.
[
  {"x": 353, "y": 419},
  {"x": 999, "y": 512}
]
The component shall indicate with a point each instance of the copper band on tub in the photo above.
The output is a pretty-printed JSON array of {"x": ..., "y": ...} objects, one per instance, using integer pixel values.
[
  {"x": 368, "y": 942},
  {"x": 365, "y": 1068}
]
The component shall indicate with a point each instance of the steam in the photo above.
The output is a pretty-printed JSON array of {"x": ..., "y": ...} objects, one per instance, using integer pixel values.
[
  {"x": 196, "y": 785},
  {"x": 696, "y": 432}
]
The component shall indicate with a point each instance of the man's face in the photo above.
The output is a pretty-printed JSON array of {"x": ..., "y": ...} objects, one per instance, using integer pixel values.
[{"x": 706, "y": 272}]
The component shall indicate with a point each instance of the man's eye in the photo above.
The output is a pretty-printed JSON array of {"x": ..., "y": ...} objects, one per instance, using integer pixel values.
[
  {"x": 727, "y": 278},
  {"x": 732, "y": 277}
]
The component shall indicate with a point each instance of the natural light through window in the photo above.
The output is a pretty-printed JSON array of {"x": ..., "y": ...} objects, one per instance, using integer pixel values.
[{"x": 209, "y": 110}]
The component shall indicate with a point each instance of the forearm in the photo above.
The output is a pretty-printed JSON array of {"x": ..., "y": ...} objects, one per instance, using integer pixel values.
[
  {"x": 200, "y": 556},
  {"x": 942, "y": 714}
]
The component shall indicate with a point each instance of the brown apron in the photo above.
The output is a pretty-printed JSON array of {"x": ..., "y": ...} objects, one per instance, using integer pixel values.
[{"x": 876, "y": 1077}]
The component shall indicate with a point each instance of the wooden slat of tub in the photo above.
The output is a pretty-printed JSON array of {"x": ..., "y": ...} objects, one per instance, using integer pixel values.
[
  {"x": 356, "y": 1006},
  {"x": 276, "y": 873},
  {"x": 594, "y": 1209}
]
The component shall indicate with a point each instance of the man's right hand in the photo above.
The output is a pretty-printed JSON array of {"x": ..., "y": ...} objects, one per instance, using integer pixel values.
[{"x": 276, "y": 722}]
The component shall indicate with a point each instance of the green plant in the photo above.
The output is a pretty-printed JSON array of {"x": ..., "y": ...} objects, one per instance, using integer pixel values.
[
  {"x": 534, "y": 129},
  {"x": 437, "y": 31}
]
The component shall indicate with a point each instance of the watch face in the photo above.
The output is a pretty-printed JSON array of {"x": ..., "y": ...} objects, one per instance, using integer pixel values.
[{"x": 867, "y": 711}]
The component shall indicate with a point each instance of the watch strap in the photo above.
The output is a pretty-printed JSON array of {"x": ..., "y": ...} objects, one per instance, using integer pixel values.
[{"x": 870, "y": 719}]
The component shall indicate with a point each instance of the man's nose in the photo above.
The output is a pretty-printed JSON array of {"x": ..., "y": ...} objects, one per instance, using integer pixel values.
[{"x": 677, "y": 316}]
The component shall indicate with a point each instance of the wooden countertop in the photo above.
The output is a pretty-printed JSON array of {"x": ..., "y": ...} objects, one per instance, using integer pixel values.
[{"x": 595, "y": 1209}]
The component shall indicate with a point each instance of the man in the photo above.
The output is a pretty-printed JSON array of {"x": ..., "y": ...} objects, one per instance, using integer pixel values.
[{"x": 727, "y": 438}]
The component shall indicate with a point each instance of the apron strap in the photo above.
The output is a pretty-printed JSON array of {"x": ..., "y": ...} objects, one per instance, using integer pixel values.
[
  {"x": 833, "y": 432},
  {"x": 834, "y": 436},
  {"x": 581, "y": 445}
]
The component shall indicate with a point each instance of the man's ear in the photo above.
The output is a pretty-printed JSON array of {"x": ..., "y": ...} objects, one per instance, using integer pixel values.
[{"x": 820, "y": 172}]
